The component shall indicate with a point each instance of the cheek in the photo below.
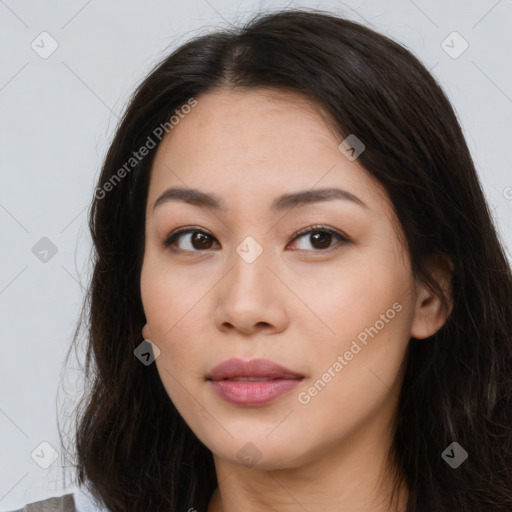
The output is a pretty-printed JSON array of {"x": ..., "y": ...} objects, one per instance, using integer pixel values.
[
  {"x": 181, "y": 361},
  {"x": 363, "y": 317},
  {"x": 353, "y": 380},
  {"x": 169, "y": 296},
  {"x": 173, "y": 323},
  {"x": 344, "y": 301}
]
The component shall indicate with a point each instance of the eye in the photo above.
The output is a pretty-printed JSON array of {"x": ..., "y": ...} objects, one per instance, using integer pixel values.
[
  {"x": 321, "y": 238},
  {"x": 199, "y": 239}
]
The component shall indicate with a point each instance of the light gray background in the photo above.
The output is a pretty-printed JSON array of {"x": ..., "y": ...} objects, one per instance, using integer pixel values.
[{"x": 58, "y": 115}]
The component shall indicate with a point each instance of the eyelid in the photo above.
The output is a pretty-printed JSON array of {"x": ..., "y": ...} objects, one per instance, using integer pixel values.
[
  {"x": 318, "y": 227},
  {"x": 343, "y": 239},
  {"x": 169, "y": 240}
]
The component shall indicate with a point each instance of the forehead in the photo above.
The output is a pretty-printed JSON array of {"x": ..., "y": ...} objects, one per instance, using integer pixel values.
[
  {"x": 259, "y": 104},
  {"x": 255, "y": 143}
]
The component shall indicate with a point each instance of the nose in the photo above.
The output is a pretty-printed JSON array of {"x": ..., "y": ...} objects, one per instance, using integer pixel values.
[{"x": 251, "y": 298}]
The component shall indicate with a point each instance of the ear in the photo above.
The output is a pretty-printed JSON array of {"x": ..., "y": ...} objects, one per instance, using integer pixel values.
[
  {"x": 146, "y": 333},
  {"x": 430, "y": 315}
]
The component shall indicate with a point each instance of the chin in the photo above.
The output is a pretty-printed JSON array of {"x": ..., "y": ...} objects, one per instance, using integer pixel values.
[{"x": 254, "y": 451}]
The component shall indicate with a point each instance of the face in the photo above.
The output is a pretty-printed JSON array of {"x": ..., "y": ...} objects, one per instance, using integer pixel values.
[{"x": 321, "y": 286}]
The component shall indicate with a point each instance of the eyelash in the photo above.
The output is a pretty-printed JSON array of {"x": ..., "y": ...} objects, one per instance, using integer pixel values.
[{"x": 342, "y": 239}]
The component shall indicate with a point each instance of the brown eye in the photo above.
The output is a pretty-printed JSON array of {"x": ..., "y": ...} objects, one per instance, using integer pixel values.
[
  {"x": 202, "y": 240},
  {"x": 320, "y": 238},
  {"x": 196, "y": 241}
]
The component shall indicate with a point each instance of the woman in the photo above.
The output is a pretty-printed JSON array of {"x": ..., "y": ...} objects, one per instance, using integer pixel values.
[{"x": 299, "y": 298}]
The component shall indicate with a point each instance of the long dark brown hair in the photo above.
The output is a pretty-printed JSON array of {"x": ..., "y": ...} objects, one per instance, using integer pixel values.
[{"x": 134, "y": 452}]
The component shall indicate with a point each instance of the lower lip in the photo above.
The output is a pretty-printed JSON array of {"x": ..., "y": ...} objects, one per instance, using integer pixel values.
[{"x": 253, "y": 394}]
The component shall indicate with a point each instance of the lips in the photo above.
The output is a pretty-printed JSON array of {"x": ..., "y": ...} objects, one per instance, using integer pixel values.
[
  {"x": 254, "y": 383},
  {"x": 252, "y": 371}
]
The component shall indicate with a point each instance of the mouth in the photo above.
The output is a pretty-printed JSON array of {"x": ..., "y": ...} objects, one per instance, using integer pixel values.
[
  {"x": 253, "y": 371},
  {"x": 252, "y": 379},
  {"x": 252, "y": 383}
]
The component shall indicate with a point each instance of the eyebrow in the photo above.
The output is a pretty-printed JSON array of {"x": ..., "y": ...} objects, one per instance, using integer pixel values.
[{"x": 286, "y": 201}]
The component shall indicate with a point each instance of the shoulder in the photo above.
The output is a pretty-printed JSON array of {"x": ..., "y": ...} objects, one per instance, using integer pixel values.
[
  {"x": 84, "y": 502},
  {"x": 77, "y": 501},
  {"x": 65, "y": 503}
]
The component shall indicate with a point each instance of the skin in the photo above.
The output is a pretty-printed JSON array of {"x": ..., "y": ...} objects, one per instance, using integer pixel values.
[{"x": 298, "y": 304}]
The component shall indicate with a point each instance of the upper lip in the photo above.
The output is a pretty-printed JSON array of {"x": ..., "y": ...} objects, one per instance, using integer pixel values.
[{"x": 259, "y": 368}]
